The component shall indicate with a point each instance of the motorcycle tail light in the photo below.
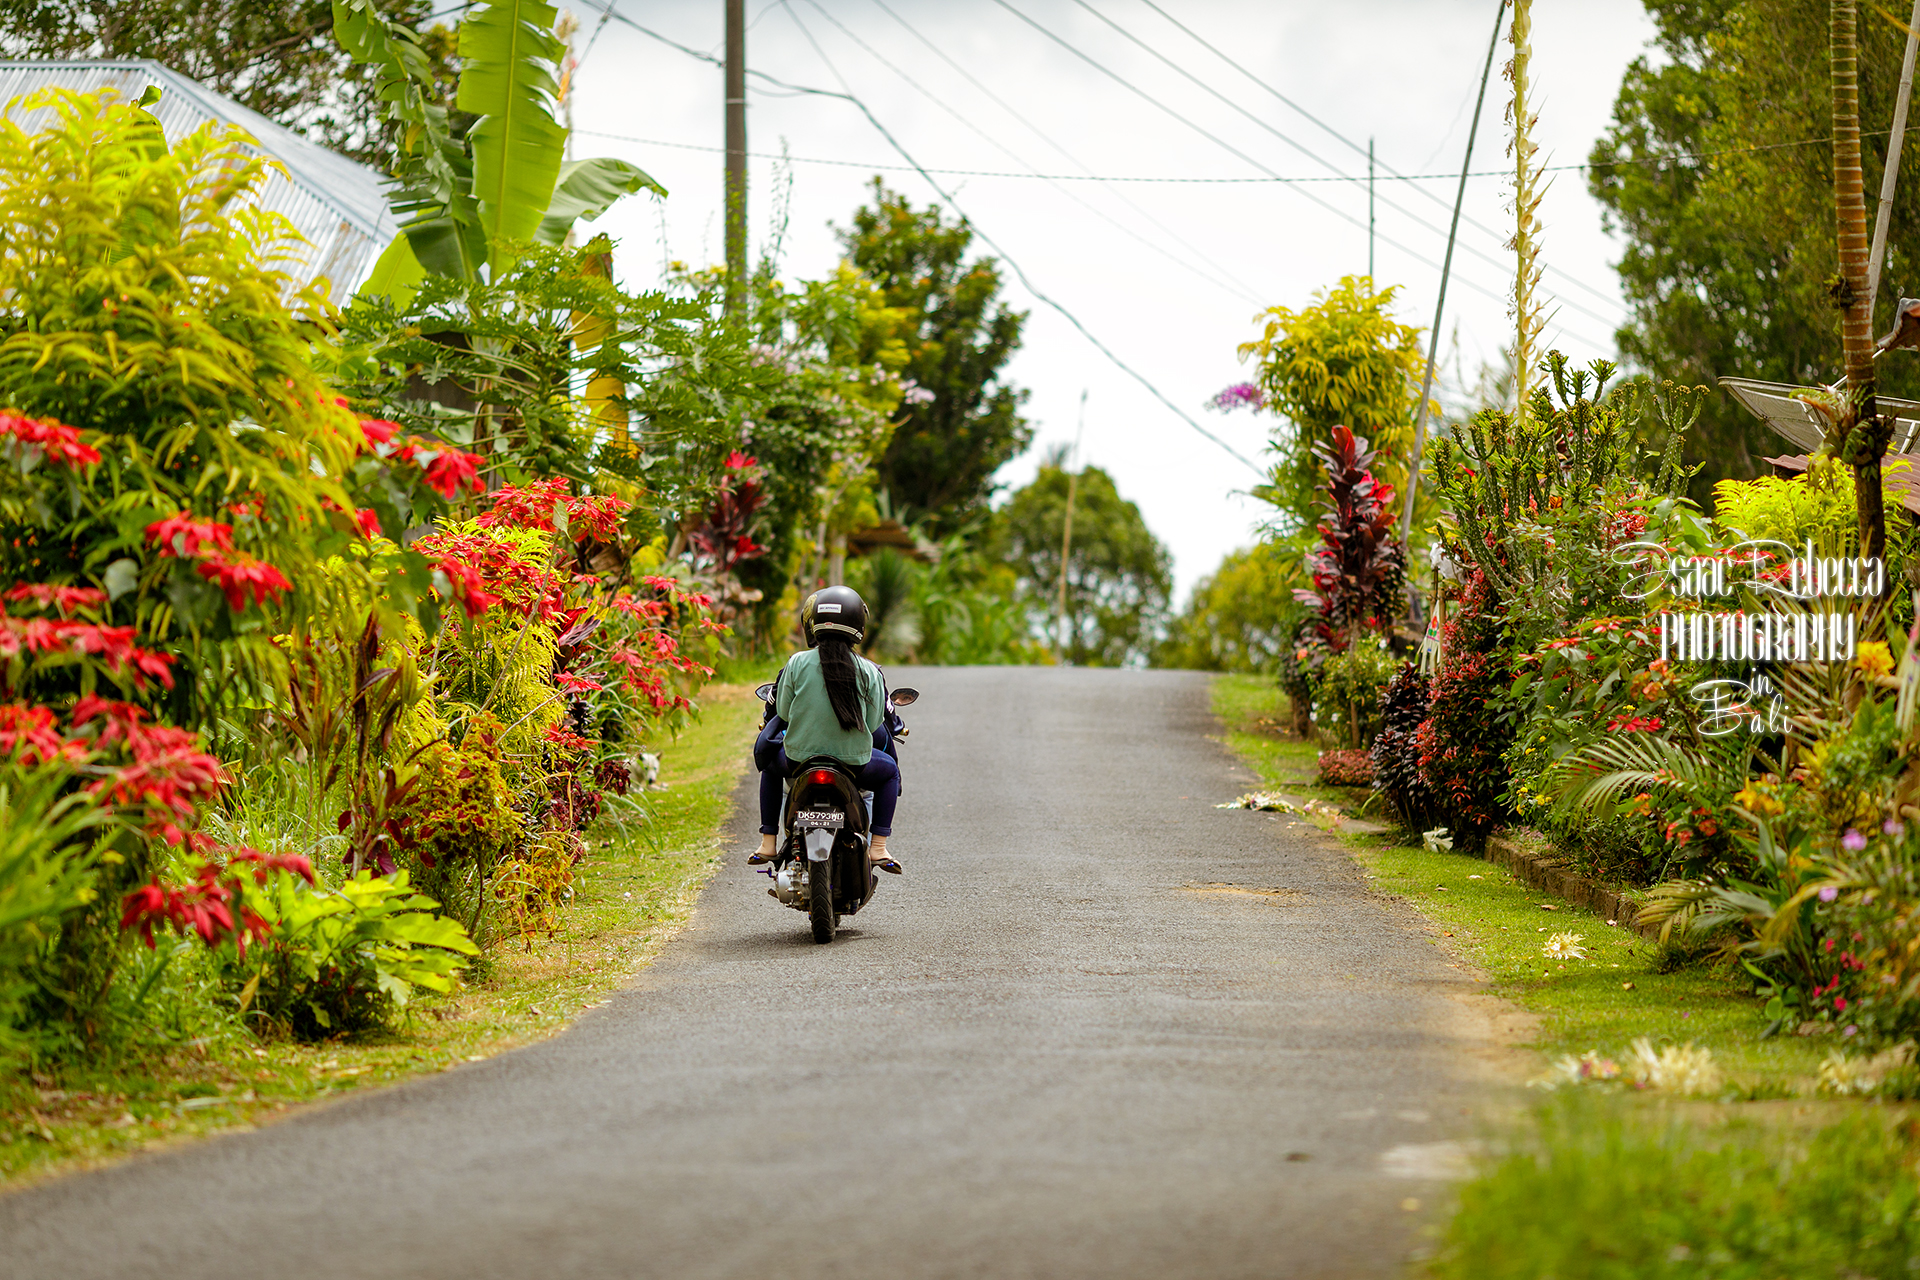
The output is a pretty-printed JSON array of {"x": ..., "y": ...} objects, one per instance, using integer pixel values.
[{"x": 822, "y": 776}]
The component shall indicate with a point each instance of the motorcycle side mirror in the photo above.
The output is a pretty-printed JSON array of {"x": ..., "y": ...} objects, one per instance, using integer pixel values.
[
  {"x": 905, "y": 697},
  {"x": 765, "y": 693}
]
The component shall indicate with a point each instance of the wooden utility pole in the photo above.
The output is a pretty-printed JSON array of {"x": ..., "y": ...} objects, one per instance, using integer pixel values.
[{"x": 736, "y": 158}]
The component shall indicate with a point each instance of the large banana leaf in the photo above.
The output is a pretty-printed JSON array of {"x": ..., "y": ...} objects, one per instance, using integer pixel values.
[
  {"x": 397, "y": 274},
  {"x": 510, "y": 53},
  {"x": 587, "y": 189}
]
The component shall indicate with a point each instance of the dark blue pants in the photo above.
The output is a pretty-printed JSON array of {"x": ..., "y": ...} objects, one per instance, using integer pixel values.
[{"x": 880, "y": 775}]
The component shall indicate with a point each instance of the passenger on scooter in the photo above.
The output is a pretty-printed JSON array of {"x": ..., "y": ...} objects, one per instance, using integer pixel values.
[{"x": 834, "y": 704}]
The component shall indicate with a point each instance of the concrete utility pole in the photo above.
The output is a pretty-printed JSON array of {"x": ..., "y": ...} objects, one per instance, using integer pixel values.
[
  {"x": 736, "y": 157},
  {"x": 1446, "y": 270},
  {"x": 1369, "y": 207},
  {"x": 1891, "y": 172}
]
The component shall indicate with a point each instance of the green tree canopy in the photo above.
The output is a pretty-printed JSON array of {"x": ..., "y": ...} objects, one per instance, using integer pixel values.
[
  {"x": 1242, "y": 617},
  {"x": 940, "y": 463},
  {"x": 1344, "y": 361},
  {"x": 1119, "y": 577},
  {"x": 1718, "y": 174},
  {"x": 277, "y": 57}
]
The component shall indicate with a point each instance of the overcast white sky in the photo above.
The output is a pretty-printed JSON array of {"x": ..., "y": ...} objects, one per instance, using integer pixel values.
[{"x": 1168, "y": 275}]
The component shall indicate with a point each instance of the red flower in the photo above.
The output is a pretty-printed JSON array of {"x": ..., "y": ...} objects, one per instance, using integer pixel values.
[
  {"x": 379, "y": 430},
  {"x": 28, "y": 734},
  {"x": 465, "y": 584},
  {"x": 54, "y": 440},
  {"x": 65, "y": 599},
  {"x": 452, "y": 470},
  {"x": 738, "y": 461},
  {"x": 239, "y": 577},
  {"x": 368, "y": 522},
  {"x": 564, "y": 740},
  {"x": 527, "y": 506},
  {"x": 296, "y": 864},
  {"x": 184, "y": 536},
  {"x": 577, "y": 684}
]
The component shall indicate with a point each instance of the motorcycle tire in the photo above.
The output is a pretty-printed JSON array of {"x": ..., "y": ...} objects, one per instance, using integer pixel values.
[{"x": 820, "y": 900}]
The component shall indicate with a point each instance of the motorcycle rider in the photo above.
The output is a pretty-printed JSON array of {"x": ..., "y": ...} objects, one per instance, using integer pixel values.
[{"x": 833, "y": 702}]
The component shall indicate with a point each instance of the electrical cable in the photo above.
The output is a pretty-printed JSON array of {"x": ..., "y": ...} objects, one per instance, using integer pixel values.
[
  {"x": 1296, "y": 145},
  {"x": 1256, "y": 180},
  {"x": 1357, "y": 148},
  {"x": 884, "y": 132},
  {"x": 1235, "y": 151},
  {"x": 1237, "y": 290},
  {"x": 1086, "y": 170}
]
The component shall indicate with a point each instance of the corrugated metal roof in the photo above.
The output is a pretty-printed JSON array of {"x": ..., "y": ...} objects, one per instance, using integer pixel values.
[{"x": 339, "y": 205}]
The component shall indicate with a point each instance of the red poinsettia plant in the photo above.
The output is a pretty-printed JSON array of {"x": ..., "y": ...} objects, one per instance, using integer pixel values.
[{"x": 626, "y": 656}]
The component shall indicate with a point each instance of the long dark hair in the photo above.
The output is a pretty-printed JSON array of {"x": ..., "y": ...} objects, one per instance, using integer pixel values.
[{"x": 843, "y": 681}]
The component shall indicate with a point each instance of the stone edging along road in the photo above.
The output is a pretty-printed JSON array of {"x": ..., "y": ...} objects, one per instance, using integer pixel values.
[{"x": 1543, "y": 874}]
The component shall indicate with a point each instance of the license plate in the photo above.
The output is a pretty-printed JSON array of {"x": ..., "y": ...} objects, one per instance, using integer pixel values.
[{"x": 829, "y": 818}]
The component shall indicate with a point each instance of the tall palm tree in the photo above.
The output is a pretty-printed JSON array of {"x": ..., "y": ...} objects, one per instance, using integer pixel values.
[{"x": 1860, "y": 434}]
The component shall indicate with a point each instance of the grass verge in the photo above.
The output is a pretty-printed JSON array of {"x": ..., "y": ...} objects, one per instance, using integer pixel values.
[
  {"x": 631, "y": 894},
  {"x": 1254, "y": 713},
  {"x": 1625, "y": 987},
  {"x": 1765, "y": 1182},
  {"x": 1617, "y": 1189}
]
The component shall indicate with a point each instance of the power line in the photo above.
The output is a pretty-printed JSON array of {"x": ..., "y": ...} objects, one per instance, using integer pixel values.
[
  {"x": 1357, "y": 149},
  {"x": 884, "y": 132},
  {"x": 1044, "y": 136},
  {"x": 1317, "y": 159},
  {"x": 1235, "y": 151},
  {"x": 1255, "y": 180},
  {"x": 927, "y": 93}
]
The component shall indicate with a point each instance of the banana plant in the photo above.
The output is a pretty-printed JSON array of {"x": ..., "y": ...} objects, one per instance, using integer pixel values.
[{"x": 466, "y": 204}]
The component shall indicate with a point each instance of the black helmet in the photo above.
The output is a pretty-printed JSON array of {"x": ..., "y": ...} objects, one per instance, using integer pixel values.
[{"x": 836, "y": 611}]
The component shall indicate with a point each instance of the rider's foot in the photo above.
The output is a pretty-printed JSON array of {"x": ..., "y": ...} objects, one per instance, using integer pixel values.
[
  {"x": 768, "y": 845},
  {"x": 877, "y": 854}
]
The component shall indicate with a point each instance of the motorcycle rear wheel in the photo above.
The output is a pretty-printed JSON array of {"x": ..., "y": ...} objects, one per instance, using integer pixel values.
[{"x": 820, "y": 900}]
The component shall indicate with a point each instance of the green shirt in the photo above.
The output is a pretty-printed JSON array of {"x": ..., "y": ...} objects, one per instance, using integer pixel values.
[{"x": 812, "y": 728}]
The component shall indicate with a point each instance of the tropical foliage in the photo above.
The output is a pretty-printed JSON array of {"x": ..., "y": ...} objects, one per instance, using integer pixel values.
[{"x": 1118, "y": 576}]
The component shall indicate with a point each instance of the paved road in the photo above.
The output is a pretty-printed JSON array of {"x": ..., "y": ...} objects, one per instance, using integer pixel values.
[{"x": 1041, "y": 1054}]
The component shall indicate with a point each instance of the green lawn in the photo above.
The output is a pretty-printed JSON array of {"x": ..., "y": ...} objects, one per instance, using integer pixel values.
[
  {"x": 631, "y": 894},
  {"x": 1254, "y": 713},
  {"x": 1767, "y": 1182}
]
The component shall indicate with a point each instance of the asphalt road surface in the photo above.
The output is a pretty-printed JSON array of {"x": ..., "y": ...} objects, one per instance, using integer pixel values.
[{"x": 1061, "y": 1046}]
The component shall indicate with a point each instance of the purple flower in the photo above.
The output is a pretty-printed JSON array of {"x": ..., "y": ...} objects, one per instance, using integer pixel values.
[
  {"x": 1854, "y": 840},
  {"x": 1851, "y": 1030},
  {"x": 1894, "y": 829},
  {"x": 1828, "y": 893},
  {"x": 1241, "y": 395}
]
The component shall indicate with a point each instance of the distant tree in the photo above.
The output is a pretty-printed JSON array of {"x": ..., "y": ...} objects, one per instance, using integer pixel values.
[
  {"x": 277, "y": 57},
  {"x": 1119, "y": 577},
  {"x": 939, "y": 465},
  {"x": 1344, "y": 361},
  {"x": 1718, "y": 174},
  {"x": 1242, "y": 617}
]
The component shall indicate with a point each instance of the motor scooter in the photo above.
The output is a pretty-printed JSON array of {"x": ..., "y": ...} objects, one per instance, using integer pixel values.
[{"x": 821, "y": 865}]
